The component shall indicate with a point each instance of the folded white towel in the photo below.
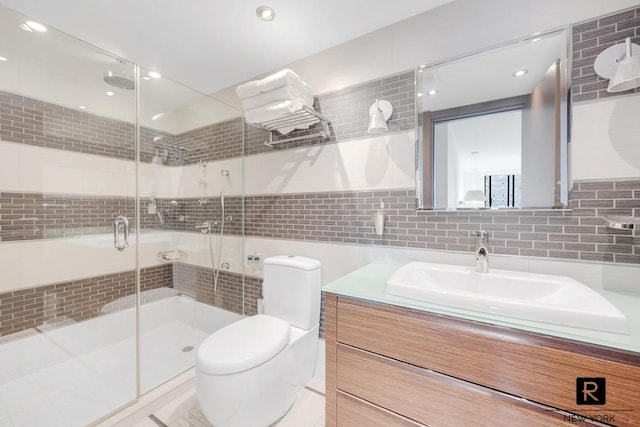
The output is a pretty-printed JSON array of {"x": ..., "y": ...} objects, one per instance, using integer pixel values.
[
  {"x": 282, "y": 78},
  {"x": 277, "y": 110},
  {"x": 280, "y": 94}
]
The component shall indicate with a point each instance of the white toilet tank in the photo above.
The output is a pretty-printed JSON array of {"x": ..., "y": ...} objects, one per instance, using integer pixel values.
[{"x": 291, "y": 290}]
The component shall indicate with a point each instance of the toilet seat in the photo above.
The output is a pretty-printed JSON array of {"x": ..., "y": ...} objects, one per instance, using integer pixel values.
[{"x": 243, "y": 345}]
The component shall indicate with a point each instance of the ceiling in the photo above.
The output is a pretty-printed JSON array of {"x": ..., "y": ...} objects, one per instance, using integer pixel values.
[
  {"x": 489, "y": 75},
  {"x": 210, "y": 45}
]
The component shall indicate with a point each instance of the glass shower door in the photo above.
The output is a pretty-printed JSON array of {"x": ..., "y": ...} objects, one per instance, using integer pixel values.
[
  {"x": 68, "y": 185},
  {"x": 191, "y": 263}
]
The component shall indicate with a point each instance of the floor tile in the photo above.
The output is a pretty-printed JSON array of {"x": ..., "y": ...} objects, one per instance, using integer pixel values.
[{"x": 307, "y": 411}]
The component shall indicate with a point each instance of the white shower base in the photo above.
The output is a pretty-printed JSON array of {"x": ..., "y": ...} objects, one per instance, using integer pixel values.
[{"x": 76, "y": 374}]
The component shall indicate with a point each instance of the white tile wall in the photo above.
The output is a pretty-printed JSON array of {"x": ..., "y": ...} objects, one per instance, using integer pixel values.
[
  {"x": 605, "y": 138},
  {"x": 36, "y": 262},
  {"x": 340, "y": 259},
  {"x": 27, "y": 168},
  {"x": 381, "y": 162}
]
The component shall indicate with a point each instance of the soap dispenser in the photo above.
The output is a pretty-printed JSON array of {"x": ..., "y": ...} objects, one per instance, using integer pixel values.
[{"x": 378, "y": 220}]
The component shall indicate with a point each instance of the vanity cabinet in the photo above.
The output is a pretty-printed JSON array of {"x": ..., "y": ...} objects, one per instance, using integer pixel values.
[{"x": 394, "y": 366}]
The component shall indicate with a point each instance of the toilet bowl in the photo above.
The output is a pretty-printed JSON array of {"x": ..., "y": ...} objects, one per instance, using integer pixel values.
[{"x": 249, "y": 373}]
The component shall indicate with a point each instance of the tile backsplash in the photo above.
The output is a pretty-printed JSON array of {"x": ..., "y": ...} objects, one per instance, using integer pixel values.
[{"x": 346, "y": 217}]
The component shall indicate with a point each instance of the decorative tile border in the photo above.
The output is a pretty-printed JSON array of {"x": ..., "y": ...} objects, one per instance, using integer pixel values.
[
  {"x": 29, "y": 121},
  {"x": 33, "y": 216},
  {"x": 74, "y": 301},
  {"x": 345, "y": 217},
  {"x": 592, "y": 37}
]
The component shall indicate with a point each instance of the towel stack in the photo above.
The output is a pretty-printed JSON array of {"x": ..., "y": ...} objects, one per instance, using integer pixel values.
[{"x": 275, "y": 97}]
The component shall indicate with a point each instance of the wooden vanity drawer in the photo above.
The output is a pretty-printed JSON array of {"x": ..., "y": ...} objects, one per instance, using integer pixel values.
[
  {"x": 357, "y": 412},
  {"x": 431, "y": 398},
  {"x": 539, "y": 368}
]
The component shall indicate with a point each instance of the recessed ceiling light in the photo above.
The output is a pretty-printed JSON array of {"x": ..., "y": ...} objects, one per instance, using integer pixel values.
[
  {"x": 31, "y": 26},
  {"x": 419, "y": 94},
  {"x": 432, "y": 92},
  {"x": 520, "y": 73},
  {"x": 82, "y": 107},
  {"x": 154, "y": 74},
  {"x": 266, "y": 13},
  {"x": 157, "y": 116},
  {"x": 110, "y": 93},
  {"x": 3, "y": 59},
  {"x": 146, "y": 78}
]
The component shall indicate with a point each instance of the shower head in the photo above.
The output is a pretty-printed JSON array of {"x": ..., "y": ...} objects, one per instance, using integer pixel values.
[{"x": 121, "y": 82}]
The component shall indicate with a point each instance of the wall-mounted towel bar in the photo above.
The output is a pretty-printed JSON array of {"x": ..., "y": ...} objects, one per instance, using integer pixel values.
[
  {"x": 271, "y": 143},
  {"x": 171, "y": 147},
  {"x": 302, "y": 118}
]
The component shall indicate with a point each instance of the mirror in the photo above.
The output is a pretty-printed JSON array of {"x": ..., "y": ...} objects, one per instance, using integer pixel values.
[{"x": 493, "y": 128}]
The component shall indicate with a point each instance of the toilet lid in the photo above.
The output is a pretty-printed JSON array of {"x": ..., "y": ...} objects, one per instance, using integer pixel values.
[{"x": 243, "y": 345}]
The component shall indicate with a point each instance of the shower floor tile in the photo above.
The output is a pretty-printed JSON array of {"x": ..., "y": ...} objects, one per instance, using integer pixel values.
[{"x": 71, "y": 390}]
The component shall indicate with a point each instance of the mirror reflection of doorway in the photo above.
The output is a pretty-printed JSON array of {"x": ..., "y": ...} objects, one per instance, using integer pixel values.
[{"x": 477, "y": 160}]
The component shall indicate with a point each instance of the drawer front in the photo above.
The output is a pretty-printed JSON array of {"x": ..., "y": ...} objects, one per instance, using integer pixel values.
[
  {"x": 518, "y": 363},
  {"x": 431, "y": 398},
  {"x": 356, "y": 412}
]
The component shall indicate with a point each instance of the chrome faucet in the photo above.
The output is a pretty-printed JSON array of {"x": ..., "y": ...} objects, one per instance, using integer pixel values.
[{"x": 482, "y": 253}]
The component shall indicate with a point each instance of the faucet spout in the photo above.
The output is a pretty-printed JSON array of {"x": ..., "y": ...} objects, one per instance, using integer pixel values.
[{"x": 482, "y": 253}]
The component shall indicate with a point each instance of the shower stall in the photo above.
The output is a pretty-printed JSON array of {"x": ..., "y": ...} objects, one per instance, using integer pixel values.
[{"x": 108, "y": 172}]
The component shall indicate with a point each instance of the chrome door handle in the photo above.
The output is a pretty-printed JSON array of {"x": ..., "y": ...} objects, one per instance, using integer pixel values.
[{"x": 121, "y": 223}]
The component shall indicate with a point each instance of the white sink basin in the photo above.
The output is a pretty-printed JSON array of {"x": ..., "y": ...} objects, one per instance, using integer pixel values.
[{"x": 539, "y": 297}]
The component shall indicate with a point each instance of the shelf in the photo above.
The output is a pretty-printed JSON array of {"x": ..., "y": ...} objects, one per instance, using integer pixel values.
[{"x": 304, "y": 117}]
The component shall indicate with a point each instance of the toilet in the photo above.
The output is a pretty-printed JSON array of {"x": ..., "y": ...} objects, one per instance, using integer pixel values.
[{"x": 249, "y": 372}]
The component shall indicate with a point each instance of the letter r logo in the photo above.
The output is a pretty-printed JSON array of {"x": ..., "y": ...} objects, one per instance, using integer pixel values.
[{"x": 591, "y": 391}]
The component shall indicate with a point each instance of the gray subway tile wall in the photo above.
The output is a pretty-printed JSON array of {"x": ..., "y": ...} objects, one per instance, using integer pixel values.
[
  {"x": 32, "y": 216},
  {"x": 183, "y": 214},
  {"x": 29, "y": 121},
  {"x": 345, "y": 217},
  {"x": 590, "y": 38},
  {"x": 214, "y": 142},
  {"x": 73, "y": 301},
  {"x": 197, "y": 282}
]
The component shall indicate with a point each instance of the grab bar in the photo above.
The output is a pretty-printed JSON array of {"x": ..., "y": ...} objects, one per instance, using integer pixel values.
[{"x": 121, "y": 223}]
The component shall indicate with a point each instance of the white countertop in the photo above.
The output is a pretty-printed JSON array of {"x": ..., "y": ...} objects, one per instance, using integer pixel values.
[{"x": 368, "y": 283}]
